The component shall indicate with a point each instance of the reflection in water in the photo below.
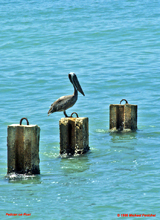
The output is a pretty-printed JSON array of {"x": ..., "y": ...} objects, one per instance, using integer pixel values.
[
  {"x": 122, "y": 136},
  {"x": 75, "y": 164}
]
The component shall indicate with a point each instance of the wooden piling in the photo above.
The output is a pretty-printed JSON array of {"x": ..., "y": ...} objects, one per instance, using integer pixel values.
[
  {"x": 123, "y": 117},
  {"x": 74, "y": 136},
  {"x": 23, "y": 149}
]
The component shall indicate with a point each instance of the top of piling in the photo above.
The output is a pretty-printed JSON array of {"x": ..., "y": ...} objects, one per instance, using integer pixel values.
[
  {"x": 122, "y": 104},
  {"x": 21, "y": 125},
  {"x": 18, "y": 125},
  {"x": 72, "y": 118}
]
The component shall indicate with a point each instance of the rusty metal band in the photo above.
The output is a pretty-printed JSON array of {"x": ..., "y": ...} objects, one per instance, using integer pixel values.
[
  {"x": 75, "y": 114},
  {"x": 23, "y": 119},
  {"x": 124, "y": 100}
]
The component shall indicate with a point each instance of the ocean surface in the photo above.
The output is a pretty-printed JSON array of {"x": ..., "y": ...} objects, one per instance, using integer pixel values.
[{"x": 114, "y": 48}]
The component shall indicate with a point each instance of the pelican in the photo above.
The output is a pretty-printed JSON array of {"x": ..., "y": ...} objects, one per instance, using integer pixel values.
[{"x": 65, "y": 102}]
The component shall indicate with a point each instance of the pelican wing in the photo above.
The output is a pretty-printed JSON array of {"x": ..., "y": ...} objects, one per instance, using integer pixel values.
[{"x": 62, "y": 104}]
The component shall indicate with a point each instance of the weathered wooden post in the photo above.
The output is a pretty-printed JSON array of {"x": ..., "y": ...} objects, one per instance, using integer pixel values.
[
  {"x": 23, "y": 148},
  {"x": 123, "y": 117},
  {"x": 74, "y": 136}
]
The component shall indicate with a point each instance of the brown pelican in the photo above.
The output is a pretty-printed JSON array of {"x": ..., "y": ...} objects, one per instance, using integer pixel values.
[{"x": 65, "y": 102}]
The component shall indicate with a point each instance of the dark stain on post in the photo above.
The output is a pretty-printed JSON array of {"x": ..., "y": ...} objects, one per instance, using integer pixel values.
[{"x": 19, "y": 149}]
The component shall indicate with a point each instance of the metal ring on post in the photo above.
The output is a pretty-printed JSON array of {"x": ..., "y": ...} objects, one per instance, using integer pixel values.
[
  {"x": 124, "y": 100},
  {"x": 75, "y": 114},
  {"x": 22, "y": 120}
]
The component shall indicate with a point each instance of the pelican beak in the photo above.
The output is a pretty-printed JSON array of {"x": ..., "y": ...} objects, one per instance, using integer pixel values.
[{"x": 76, "y": 83}]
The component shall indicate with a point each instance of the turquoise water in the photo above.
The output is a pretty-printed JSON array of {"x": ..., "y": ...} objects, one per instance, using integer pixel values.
[{"x": 114, "y": 48}]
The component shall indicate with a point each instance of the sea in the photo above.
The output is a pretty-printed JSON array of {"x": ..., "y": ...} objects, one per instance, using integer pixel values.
[{"x": 113, "y": 46}]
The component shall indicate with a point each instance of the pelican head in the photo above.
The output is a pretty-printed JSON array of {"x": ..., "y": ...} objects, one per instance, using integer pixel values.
[{"x": 74, "y": 80}]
